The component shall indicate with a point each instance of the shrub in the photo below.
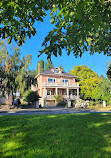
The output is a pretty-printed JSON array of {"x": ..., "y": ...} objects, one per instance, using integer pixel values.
[
  {"x": 61, "y": 102},
  {"x": 31, "y": 96}
]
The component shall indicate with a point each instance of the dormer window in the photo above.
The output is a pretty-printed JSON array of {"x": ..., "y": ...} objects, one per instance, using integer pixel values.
[{"x": 56, "y": 71}]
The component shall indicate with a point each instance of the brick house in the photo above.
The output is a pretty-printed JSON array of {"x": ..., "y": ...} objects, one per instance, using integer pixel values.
[{"x": 54, "y": 81}]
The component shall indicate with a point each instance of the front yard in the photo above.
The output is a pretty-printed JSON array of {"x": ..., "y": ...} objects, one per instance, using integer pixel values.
[{"x": 56, "y": 136}]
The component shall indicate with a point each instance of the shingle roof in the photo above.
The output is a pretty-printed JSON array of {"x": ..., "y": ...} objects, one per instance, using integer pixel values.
[{"x": 51, "y": 72}]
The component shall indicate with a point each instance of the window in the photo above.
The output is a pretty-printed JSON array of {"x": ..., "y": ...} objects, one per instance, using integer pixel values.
[
  {"x": 56, "y": 71},
  {"x": 49, "y": 92},
  {"x": 51, "y": 79},
  {"x": 65, "y": 81}
]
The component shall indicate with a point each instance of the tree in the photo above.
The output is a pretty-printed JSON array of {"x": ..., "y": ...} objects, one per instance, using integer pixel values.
[
  {"x": 49, "y": 64},
  {"x": 41, "y": 62},
  {"x": 30, "y": 79},
  {"x": 109, "y": 71},
  {"x": 89, "y": 81},
  {"x": 61, "y": 67},
  {"x": 18, "y": 18},
  {"x": 103, "y": 91},
  {"x": 31, "y": 96},
  {"x": 79, "y": 25},
  {"x": 14, "y": 69}
]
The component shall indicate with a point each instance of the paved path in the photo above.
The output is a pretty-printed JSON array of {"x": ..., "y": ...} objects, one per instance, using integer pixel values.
[{"x": 50, "y": 111}]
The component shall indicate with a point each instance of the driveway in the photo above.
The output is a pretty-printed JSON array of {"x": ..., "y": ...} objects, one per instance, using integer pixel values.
[{"x": 55, "y": 110}]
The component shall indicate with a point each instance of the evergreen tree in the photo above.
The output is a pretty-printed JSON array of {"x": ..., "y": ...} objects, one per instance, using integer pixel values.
[
  {"x": 49, "y": 64},
  {"x": 41, "y": 66},
  {"x": 61, "y": 67}
]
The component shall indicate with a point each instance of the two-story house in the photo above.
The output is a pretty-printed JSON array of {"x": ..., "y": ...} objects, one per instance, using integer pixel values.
[{"x": 54, "y": 81}]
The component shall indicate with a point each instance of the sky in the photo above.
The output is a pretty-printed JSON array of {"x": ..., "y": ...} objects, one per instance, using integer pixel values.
[{"x": 97, "y": 62}]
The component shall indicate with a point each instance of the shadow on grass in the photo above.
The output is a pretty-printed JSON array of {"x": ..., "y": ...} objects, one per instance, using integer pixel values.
[{"x": 67, "y": 135}]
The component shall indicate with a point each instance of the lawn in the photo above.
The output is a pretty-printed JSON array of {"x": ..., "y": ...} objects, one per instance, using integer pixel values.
[{"x": 56, "y": 136}]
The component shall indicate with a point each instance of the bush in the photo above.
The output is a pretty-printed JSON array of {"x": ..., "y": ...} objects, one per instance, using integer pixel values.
[
  {"x": 31, "y": 96},
  {"x": 61, "y": 102}
]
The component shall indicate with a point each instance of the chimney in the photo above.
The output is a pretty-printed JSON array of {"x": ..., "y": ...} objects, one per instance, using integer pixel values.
[{"x": 38, "y": 68}]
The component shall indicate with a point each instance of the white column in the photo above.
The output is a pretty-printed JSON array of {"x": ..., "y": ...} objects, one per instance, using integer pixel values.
[
  {"x": 77, "y": 92},
  {"x": 56, "y": 90},
  {"x": 69, "y": 103},
  {"x": 67, "y": 93},
  {"x": 45, "y": 92}
]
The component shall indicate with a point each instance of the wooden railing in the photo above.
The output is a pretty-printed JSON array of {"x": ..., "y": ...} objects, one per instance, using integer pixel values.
[
  {"x": 65, "y": 96},
  {"x": 60, "y": 84}
]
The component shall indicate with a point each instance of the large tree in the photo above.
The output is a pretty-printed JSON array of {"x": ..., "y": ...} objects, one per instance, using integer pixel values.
[
  {"x": 14, "y": 69},
  {"x": 19, "y": 16},
  {"x": 78, "y": 25},
  {"x": 89, "y": 81},
  {"x": 103, "y": 91}
]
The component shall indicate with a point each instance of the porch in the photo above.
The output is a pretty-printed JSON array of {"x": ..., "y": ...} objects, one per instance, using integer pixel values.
[{"x": 67, "y": 93}]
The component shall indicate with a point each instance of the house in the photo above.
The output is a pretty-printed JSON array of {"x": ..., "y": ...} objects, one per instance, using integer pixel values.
[{"x": 54, "y": 81}]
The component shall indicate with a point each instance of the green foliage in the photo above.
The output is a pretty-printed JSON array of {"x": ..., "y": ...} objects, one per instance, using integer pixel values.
[
  {"x": 109, "y": 71},
  {"x": 60, "y": 100},
  {"x": 13, "y": 69},
  {"x": 18, "y": 18},
  {"x": 79, "y": 26},
  {"x": 49, "y": 64},
  {"x": 89, "y": 81},
  {"x": 96, "y": 103},
  {"x": 31, "y": 96},
  {"x": 30, "y": 78},
  {"x": 103, "y": 91},
  {"x": 41, "y": 62},
  {"x": 61, "y": 67}
]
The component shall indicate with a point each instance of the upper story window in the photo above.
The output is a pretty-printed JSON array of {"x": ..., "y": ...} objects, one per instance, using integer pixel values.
[
  {"x": 51, "y": 79},
  {"x": 56, "y": 71},
  {"x": 65, "y": 80}
]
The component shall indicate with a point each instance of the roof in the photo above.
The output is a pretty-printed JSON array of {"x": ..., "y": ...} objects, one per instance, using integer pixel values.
[{"x": 51, "y": 72}]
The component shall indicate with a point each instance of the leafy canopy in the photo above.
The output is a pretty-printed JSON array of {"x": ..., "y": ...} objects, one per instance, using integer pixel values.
[
  {"x": 18, "y": 17},
  {"x": 79, "y": 25},
  {"x": 13, "y": 69},
  {"x": 89, "y": 81},
  {"x": 103, "y": 91}
]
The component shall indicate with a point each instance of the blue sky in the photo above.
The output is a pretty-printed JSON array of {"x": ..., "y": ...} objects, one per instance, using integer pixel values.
[{"x": 97, "y": 62}]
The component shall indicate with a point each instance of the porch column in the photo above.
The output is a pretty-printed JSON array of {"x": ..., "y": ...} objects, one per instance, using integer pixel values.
[
  {"x": 43, "y": 102},
  {"x": 77, "y": 92},
  {"x": 56, "y": 91},
  {"x": 67, "y": 92},
  {"x": 45, "y": 92}
]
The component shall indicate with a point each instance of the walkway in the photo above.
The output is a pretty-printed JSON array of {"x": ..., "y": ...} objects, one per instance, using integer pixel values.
[{"x": 50, "y": 111}]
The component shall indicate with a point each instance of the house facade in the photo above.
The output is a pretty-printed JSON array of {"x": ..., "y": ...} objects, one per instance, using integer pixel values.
[{"x": 53, "y": 82}]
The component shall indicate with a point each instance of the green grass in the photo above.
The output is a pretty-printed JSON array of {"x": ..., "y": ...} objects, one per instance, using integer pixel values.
[{"x": 56, "y": 136}]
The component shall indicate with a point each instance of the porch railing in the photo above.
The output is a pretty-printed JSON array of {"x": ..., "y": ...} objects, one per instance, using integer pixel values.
[
  {"x": 60, "y": 84},
  {"x": 65, "y": 96}
]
